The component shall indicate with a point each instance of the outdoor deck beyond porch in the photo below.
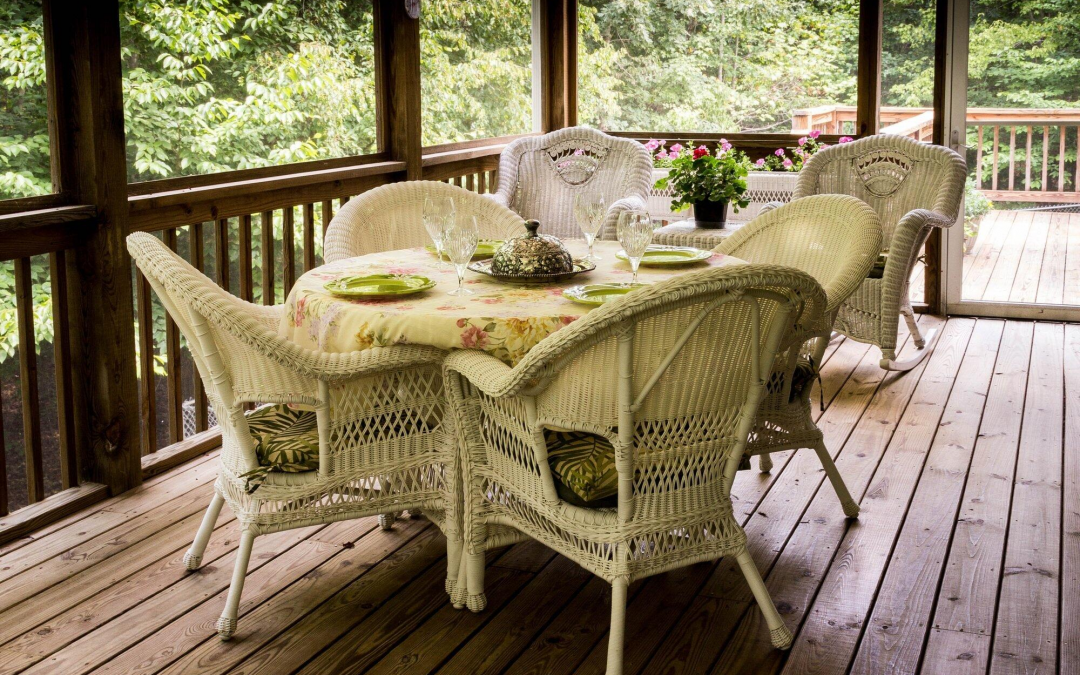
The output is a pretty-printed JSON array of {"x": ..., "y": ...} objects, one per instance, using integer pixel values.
[{"x": 966, "y": 555}]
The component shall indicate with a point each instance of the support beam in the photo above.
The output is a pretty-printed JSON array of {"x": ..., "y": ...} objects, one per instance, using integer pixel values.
[
  {"x": 558, "y": 64},
  {"x": 86, "y": 121},
  {"x": 868, "y": 104},
  {"x": 397, "y": 85}
]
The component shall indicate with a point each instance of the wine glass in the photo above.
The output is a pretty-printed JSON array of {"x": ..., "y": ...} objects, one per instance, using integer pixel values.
[
  {"x": 635, "y": 234},
  {"x": 589, "y": 210},
  {"x": 438, "y": 215},
  {"x": 459, "y": 241}
]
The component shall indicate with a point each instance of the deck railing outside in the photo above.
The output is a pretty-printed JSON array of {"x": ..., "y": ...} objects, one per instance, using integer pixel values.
[{"x": 1014, "y": 154}]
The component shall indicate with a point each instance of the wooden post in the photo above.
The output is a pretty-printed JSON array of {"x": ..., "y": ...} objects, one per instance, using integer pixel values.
[
  {"x": 86, "y": 118},
  {"x": 868, "y": 104},
  {"x": 397, "y": 85},
  {"x": 558, "y": 64}
]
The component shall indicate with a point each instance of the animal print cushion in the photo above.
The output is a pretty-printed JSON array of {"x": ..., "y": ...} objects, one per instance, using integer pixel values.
[
  {"x": 286, "y": 440},
  {"x": 583, "y": 466}
]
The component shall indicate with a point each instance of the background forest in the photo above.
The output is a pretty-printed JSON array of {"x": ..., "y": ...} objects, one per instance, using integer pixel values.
[{"x": 218, "y": 85}]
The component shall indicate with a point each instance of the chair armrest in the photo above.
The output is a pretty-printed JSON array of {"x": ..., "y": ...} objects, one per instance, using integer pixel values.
[
  {"x": 487, "y": 373},
  {"x": 611, "y": 219},
  {"x": 499, "y": 198},
  {"x": 769, "y": 207}
]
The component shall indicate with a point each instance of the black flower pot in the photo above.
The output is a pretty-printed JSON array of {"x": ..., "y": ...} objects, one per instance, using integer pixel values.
[{"x": 710, "y": 215}]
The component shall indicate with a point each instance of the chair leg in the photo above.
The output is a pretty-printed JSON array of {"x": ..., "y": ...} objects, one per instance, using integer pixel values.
[
  {"x": 925, "y": 343},
  {"x": 616, "y": 636},
  {"x": 765, "y": 462},
  {"x": 386, "y": 520},
  {"x": 461, "y": 590},
  {"x": 226, "y": 625},
  {"x": 474, "y": 577},
  {"x": 453, "y": 563},
  {"x": 778, "y": 631},
  {"x": 193, "y": 557},
  {"x": 850, "y": 506}
]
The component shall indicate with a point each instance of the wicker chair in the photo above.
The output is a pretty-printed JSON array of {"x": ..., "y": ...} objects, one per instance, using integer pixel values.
[
  {"x": 913, "y": 187},
  {"x": 835, "y": 239},
  {"x": 669, "y": 406},
  {"x": 371, "y": 421},
  {"x": 539, "y": 175},
  {"x": 390, "y": 217}
]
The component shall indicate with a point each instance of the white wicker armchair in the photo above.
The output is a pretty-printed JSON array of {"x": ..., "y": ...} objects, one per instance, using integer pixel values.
[
  {"x": 378, "y": 428},
  {"x": 671, "y": 407},
  {"x": 835, "y": 239},
  {"x": 913, "y": 187},
  {"x": 539, "y": 175},
  {"x": 391, "y": 217}
]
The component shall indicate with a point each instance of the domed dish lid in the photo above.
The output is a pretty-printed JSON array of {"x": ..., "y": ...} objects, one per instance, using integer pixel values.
[{"x": 531, "y": 254}]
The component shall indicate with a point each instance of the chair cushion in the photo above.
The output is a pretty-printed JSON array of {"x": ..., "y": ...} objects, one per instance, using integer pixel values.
[
  {"x": 801, "y": 379},
  {"x": 286, "y": 440},
  {"x": 583, "y": 466},
  {"x": 878, "y": 270}
]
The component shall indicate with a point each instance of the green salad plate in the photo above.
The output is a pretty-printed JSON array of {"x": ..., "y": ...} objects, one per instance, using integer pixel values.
[
  {"x": 378, "y": 285},
  {"x": 485, "y": 249},
  {"x": 597, "y": 294},
  {"x": 669, "y": 256}
]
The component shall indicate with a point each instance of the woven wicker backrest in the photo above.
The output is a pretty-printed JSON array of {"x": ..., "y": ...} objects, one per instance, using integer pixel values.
[
  {"x": 672, "y": 374},
  {"x": 390, "y": 217},
  {"x": 541, "y": 174},
  {"x": 833, "y": 238},
  {"x": 893, "y": 174}
]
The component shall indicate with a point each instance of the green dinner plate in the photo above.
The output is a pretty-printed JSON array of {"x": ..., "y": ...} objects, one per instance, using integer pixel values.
[
  {"x": 378, "y": 285},
  {"x": 662, "y": 256},
  {"x": 598, "y": 294},
  {"x": 485, "y": 248}
]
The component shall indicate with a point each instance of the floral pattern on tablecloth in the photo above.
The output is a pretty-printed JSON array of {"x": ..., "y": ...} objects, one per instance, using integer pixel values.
[{"x": 503, "y": 320}]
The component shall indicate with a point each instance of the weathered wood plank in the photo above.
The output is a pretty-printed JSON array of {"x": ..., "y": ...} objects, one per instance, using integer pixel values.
[
  {"x": 1026, "y": 632},
  {"x": 1026, "y": 284},
  {"x": 985, "y": 258},
  {"x": 1001, "y": 280},
  {"x": 1052, "y": 274},
  {"x": 1072, "y": 262},
  {"x": 1070, "y": 526},
  {"x": 54, "y": 507}
]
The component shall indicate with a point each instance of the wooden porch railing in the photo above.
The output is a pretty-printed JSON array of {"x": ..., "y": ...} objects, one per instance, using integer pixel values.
[{"x": 1014, "y": 154}]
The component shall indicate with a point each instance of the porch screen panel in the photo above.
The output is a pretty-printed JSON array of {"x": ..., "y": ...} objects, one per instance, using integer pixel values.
[
  {"x": 24, "y": 127},
  {"x": 217, "y": 86},
  {"x": 476, "y": 72}
]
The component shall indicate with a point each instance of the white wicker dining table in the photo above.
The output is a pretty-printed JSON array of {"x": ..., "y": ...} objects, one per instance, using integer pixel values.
[{"x": 502, "y": 319}]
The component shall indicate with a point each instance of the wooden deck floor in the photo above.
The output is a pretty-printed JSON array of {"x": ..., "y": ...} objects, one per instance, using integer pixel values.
[
  {"x": 965, "y": 559},
  {"x": 1025, "y": 256}
]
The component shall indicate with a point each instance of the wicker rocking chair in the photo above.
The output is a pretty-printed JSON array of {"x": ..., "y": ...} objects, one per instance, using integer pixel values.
[
  {"x": 913, "y": 187},
  {"x": 668, "y": 409},
  {"x": 835, "y": 239},
  {"x": 368, "y": 437},
  {"x": 390, "y": 217},
  {"x": 539, "y": 175}
]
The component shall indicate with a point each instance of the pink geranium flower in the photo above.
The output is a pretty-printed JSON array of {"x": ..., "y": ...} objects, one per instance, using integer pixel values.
[
  {"x": 787, "y": 163},
  {"x": 760, "y": 162},
  {"x": 779, "y": 152},
  {"x": 814, "y": 134},
  {"x": 846, "y": 139},
  {"x": 663, "y": 155},
  {"x": 802, "y": 141},
  {"x": 652, "y": 145},
  {"x": 674, "y": 150}
]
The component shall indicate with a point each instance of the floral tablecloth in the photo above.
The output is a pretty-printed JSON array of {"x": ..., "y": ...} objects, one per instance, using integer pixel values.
[{"x": 501, "y": 319}]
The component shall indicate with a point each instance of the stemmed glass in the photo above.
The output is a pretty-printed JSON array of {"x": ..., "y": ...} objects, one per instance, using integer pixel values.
[
  {"x": 589, "y": 210},
  {"x": 459, "y": 240},
  {"x": 438, "y": 215},
  {"x": 635, "y": 234}
]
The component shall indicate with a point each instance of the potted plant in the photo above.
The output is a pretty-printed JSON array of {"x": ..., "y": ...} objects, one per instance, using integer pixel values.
[{"x": 708, "y": 181}]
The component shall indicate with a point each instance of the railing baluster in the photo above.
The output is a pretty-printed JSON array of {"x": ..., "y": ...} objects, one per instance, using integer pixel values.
[
  {"x": 173, "y": 367},
  {"x": 978, "y": 158},
  {"x": 221, "y": 253},
  {"x": 1012, "y": 156},
  {"x": 3, "y": 463},
  {"x": 65, "y": 404},
  {"x": 289, "y": 266},
  {"x": 243, "y": 241},
  {"x": 1046, "y": 156},
  {"x": 268, "y": 258},
  {"x": 994, "y": 178},
  {"x": 1061, "y": 158},
  {"x": 309, "y": 236},
  {"x": 147, "y": 390},
  {"x": 470, "y": 182},
  {"x": 197, "y": 261},
  {"x": 28, "y": 380},
  {"x": 327, "y": 214},
  {"x": 1027, "y": 159}
]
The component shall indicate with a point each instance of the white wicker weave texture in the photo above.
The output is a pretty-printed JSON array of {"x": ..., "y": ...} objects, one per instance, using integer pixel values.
[
  {"x": 671, "y": 376},
  {"x": 835, "y": 239},
  {"x": 382, "y": 442},
  {"x": 914, "y": 187},
  {"x": 539, "y": 175}
]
